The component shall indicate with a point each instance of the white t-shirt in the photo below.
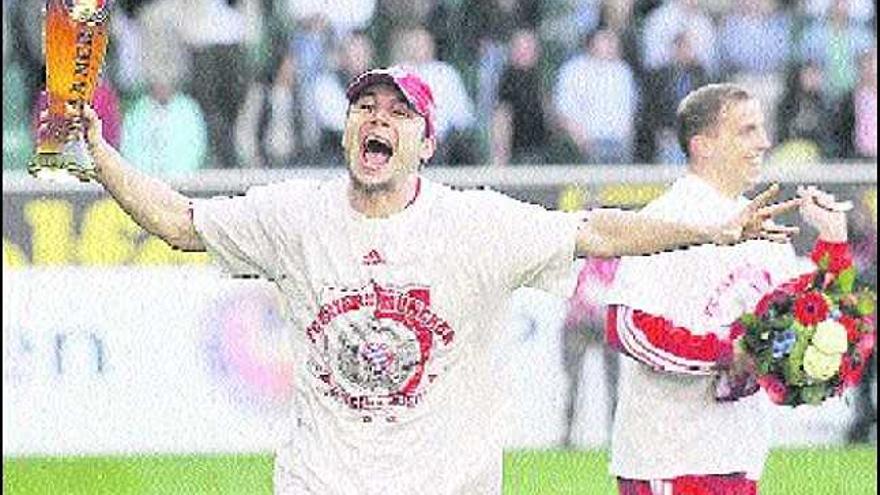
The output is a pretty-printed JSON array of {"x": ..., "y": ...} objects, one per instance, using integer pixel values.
[
  {"x": 391, "y": 322},
  {"x": 668, "y": 425}
]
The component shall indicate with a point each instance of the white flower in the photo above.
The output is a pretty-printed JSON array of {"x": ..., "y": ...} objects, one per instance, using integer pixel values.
[
  {"x": 820, "y": 365},
  {"x": 830, "y": 337}
]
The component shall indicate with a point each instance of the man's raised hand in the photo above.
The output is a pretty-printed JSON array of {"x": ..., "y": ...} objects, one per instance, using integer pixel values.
[{"x": 756, "y": 220}]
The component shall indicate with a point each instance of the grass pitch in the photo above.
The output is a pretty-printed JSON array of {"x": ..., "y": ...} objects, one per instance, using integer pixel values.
[{"x": 838, "y": 471}]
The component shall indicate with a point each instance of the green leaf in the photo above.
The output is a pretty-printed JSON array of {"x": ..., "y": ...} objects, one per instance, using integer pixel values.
[
  {"x": 802, "y": 331},
  {"x": 867, "y": 303},
  {"x": 813, "y": 394},
  {"x": 749, "y": 320},
  {"x": 824, "y": 262},
  {"x": 846, "y": 280},
  {"x": 794, "y": 370},
  {"x": 782, "y": 322}
]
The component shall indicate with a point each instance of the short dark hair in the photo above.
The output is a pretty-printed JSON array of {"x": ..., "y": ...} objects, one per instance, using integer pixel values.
[{"x": 699, "y": 110}]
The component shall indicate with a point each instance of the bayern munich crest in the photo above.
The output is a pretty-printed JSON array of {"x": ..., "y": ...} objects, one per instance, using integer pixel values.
[
  {"x": 88, "y": 11},
  {"x": 377, "y": 347},
  {"x": 378, "y": 357}
]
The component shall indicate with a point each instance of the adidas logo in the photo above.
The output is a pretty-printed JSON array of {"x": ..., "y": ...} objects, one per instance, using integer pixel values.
[{"x": 373, "y": 258}]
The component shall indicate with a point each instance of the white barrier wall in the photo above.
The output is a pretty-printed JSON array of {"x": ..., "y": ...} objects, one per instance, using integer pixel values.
[{"x": 136, "y": 360}]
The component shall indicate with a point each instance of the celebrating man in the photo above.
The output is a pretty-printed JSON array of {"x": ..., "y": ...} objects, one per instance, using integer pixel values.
[
  {"x": 678, "y": 428},
  {"x": 396, "y": 287}
]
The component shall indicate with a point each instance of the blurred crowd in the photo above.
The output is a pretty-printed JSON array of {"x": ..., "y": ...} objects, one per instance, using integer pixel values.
[{"x": 191, "y": 84}]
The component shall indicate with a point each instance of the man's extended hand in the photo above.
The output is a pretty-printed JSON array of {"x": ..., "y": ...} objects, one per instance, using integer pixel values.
[
  {"x": 823, "y": 212},
  {"x": 756, "y": 220}
]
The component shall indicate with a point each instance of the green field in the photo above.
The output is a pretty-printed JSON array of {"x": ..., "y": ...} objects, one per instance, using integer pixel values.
[{"x": 801, "y": 472}]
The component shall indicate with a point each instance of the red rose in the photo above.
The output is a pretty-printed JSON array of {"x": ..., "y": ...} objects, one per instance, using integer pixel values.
[
  {"x": 810, "y": 308},
  {"x": 776, "y": 390},
  {"x": 850, "y": 376},
  {"x": 736, "y": 330},
  {"x": 865, "y": 346},
  {"x": 777, "y": 296},
  {"x": 763, "y": 305},
  {"x": 799, "y": 284},
  {"x": 852, "y": 328}
]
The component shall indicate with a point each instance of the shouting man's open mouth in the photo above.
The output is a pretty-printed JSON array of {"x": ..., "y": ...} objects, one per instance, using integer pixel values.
[{"x": 376, "y": 151}]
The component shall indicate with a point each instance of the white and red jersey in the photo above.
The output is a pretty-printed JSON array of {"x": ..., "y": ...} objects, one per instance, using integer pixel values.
[
  {"x": 672, "y": 313},
  {"x": 391, "y": 322}
]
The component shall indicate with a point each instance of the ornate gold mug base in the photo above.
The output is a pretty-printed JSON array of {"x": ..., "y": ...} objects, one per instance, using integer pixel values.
[{"x": 68, "y": 165}]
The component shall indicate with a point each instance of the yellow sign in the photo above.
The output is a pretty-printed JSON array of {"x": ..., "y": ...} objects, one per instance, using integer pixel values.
[{"x": 107, "y": 237}]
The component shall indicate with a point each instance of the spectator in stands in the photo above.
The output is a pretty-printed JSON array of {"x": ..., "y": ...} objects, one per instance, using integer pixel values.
[
  {"x": 621, "y": 17},
  {"x": 164, "y": 54},
  {"x": 448, "y": 21},
  {"x": 318, "y": 26},
  {"x": 857, "y": 125},
  {"x": 836, "y": 43},
  {"x": 754, "y": 39},
  {"x": 664, "y": 89},
  {"x": 395, "y": 16},
  {"x": 595, "y": 99},
  {"x": 626, "y": 18},
  {"x": 492, "y": 21},
  {"x": 311, "y": 43},
  {"x": 124, "y": 63},
  {"x": 455, "y": 120},
  {"x": 565, "y": 23},
  {"x": 270, "y": 125},
  {"x": 665, "y": 22},
  {"x": 804, "y": 112},
  {"x": 266, "y": 134},
  {"x": 215, "y": 34},
  {"x": 341, "y": 16},
  {"x": 483, "y": 40},
  {"x": 519, "y": 133},
  {"x": 354, "y": 56},
  {"x": 165, "y": 131}
]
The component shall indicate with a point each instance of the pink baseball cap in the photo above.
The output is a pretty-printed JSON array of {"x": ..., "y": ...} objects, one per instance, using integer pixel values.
[{"x": 416, "y": 91}]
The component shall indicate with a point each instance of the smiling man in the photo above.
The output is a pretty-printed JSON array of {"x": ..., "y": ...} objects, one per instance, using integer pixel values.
[
  {"x": 686, "y": 422},
  {"x": 395, "y": 288}
]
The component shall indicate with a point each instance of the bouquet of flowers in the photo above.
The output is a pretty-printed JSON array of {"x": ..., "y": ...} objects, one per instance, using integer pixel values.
[{"x": 812, "y": 338}]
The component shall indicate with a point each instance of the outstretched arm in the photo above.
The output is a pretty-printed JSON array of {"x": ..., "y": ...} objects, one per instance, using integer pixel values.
[
  {"x": 151, "y": 203},
  {"x": 610, "y": 232}
]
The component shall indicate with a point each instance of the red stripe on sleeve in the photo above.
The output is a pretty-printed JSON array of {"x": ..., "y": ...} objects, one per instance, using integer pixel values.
[
  {"x": 679, "y": 341},
  {"x": 657, "y": 343}
]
